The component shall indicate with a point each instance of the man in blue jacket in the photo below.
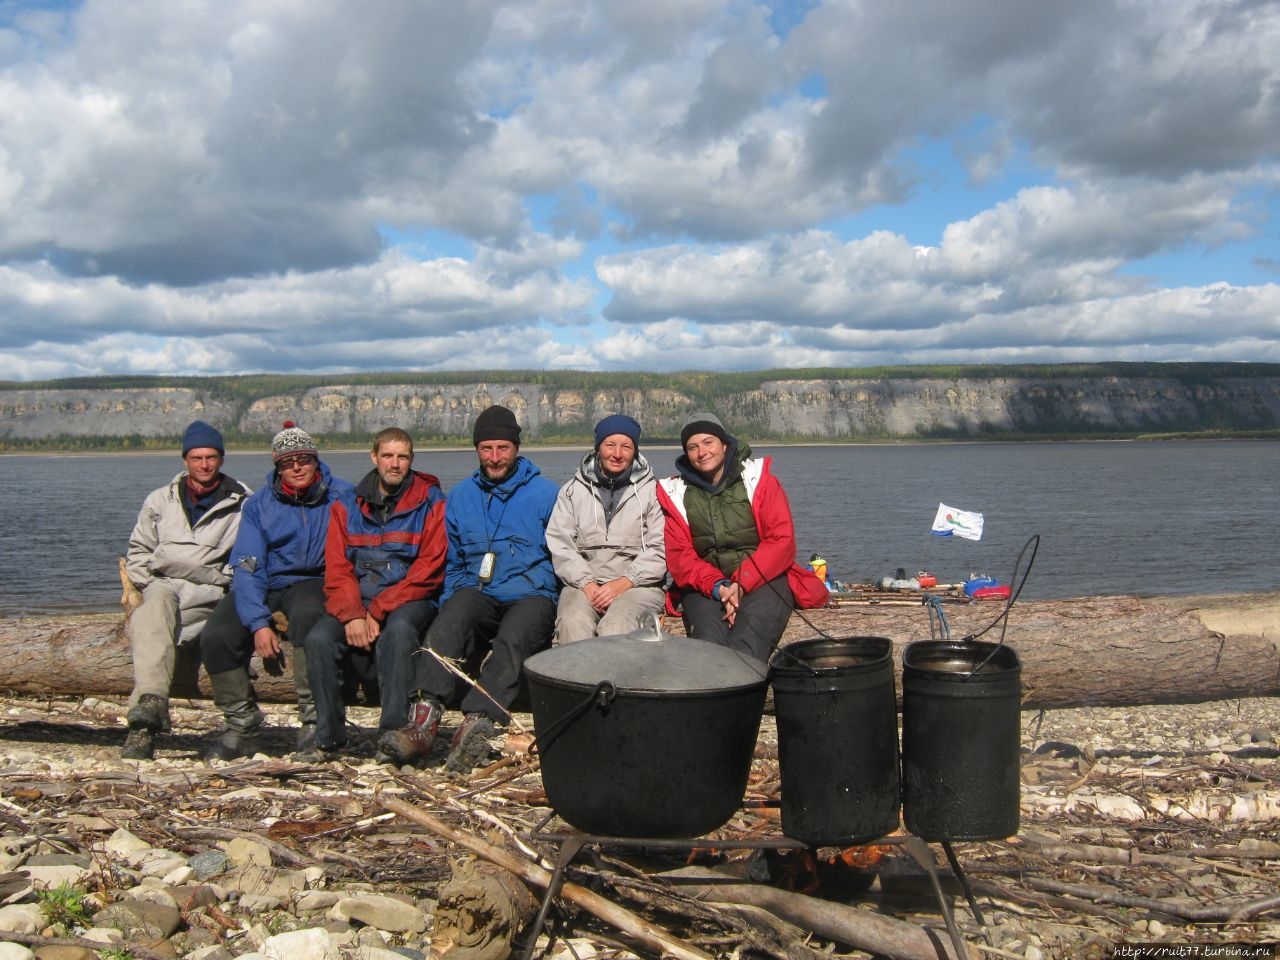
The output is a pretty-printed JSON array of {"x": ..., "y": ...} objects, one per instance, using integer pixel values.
[
  {"x": 499, "y": 597},
  {"x": 277, "y": 568}
]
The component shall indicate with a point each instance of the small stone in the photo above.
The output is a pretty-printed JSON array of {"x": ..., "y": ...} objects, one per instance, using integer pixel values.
[
  {"x": 385, "y": 913},
  {"x": 58, "y": 951},
  {"x": 209, "y": 864},
  {"x": 248, "y": 853},
  {"x": 213, "y": 952},
  {"x": 47, "y": 878},
  {"x": 194, "y": 897},
  {"x": 21, "y": 918},
  {"x": 1156, "y": 928},
  {"x": 139, "y": 920},
  {"x": 162, "y": 895},
  {"x": 260, "y": 903},
  {"x": 107, "y": 935},
  {"x": 300, "y": 945},
  {"x": 184, "y": 874},
  {"x": 1033, "y": 953},
  {"x": 161, "y": 863},
  {"x": 313, "y": 901},
  {"x": 15, "y": 951},
  {"x": 125, "y": 845},
  {"x": 1260, "y": 735},
  {"x": 60, "y": 860}
]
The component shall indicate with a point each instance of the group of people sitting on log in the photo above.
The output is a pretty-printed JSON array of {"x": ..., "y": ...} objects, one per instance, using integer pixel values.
[{"x": 357, "y": 578}]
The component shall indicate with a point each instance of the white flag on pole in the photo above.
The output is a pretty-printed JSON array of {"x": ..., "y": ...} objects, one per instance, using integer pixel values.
[{"x": 950, "y": 522}]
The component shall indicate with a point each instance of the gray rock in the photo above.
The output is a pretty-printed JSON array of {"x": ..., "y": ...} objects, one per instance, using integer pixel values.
[
  {"x": 191, "y": 897},
  {"x": 60, "y": 860},
  {"x": 125, "y": 845},
  {"x": 312, "y": 901},
  {"x": 139, "y": 920},
  {"x": 385, "y": 913},
  {"x": 246, "y": 853},
  {"x": 55, "y": 876},
  {"x": 300, "y": 945},
  {"x": 22, "y": 918},
  {"x": 61, "y": 951},
  {"x": 15, "y": 951},
  {"x": 261, "y": 903},
  {"x": 213, "y": 952},
  {"x": 209, "y": 864}
]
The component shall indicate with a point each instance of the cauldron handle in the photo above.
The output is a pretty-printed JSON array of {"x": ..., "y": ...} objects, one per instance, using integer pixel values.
[{"x": 603, "y": 694}]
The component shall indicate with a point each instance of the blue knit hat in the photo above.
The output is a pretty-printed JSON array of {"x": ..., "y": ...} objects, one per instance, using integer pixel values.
[
  {"x": 618, "y": 423},
  {"x": 200, "y": 434}
]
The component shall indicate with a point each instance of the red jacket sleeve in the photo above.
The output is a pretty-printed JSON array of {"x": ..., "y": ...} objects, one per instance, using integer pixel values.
[
  {"x": 426, "y": 573},
  {"x": 341, "y": 586},
  {"x": 687, "y": 569}
]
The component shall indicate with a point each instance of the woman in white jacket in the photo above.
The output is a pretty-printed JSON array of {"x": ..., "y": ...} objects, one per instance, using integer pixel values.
[{"x": 606, "y": 539}]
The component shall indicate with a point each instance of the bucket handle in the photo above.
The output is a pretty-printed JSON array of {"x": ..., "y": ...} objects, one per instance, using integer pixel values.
[
  {"x": 603, "y": 695},
  {"x": 1033, "y": 544}
]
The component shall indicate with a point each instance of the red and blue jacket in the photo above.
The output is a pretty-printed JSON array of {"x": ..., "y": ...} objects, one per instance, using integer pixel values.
[{"x": 379, "y": 559}]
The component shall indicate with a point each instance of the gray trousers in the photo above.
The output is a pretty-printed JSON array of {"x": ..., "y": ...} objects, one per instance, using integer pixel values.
[
  {"x": 576, "y": 619},
  {"x": 153, "y": 638},
  {"x": 761, "y": 619}
]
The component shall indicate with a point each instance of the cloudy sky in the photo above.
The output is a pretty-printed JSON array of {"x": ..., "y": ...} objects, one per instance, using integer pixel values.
[{"x": 230, "y": 186}]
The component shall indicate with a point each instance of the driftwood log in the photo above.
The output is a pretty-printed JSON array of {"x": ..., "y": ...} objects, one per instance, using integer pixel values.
[{"x": 1102, "y": 651}]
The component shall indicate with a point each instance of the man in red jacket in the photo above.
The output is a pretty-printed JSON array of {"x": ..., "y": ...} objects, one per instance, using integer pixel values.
[{"x": 384, "y": 564}]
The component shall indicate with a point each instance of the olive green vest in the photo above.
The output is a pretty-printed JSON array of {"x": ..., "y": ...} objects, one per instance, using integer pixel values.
[{"x": 723, "y": 526}]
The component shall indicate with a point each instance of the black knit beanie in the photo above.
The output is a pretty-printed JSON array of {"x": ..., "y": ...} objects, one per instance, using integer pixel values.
[
  {"x": 496, "y": 423},
  {"x": 703, "y": 422}
]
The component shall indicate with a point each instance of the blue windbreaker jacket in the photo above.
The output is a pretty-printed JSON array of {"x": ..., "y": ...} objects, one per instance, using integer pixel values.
[
  {"x": 280, "y": 541},
  {"x": 509, "y": 519}
]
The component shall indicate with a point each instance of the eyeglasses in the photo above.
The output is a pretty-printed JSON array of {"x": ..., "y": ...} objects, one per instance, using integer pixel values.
[{"x": 293, "y": 463}]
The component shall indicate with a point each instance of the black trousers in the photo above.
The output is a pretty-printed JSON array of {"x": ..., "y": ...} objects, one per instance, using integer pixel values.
[
  {"x": 762, "y": 617},
  {"x": 471, "y": 624},
  {"x": 225, "y": 642},
  {"x": 330, "y": 661}
]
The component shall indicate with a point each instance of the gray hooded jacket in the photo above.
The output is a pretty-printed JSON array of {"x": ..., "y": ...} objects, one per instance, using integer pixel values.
[{"x": 586, "y": 547}]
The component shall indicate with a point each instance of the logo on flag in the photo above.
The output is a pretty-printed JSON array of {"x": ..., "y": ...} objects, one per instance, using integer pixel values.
[{"x": 950, "y": 522}]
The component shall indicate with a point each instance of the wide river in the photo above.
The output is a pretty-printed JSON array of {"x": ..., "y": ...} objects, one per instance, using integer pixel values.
[{"x": 1113, "y": 517}]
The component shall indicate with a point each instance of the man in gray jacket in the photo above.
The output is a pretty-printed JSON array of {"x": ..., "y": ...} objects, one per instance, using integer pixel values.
[
  {"x": 177, "y": 559},
  {"x": 606, "y": 539}
]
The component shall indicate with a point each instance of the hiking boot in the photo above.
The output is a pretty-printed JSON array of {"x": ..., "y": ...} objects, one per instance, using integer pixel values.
[
  {"x": 151, "y": 712},
  {"x": 470, "y": 745},
  {"x": 140, "y": 744},
  {"x": 318, "y": 754},
  {"x": 232, "y": 744},
  {"x": 306, "y": 741},
  {"x": 411, "y": 744}
]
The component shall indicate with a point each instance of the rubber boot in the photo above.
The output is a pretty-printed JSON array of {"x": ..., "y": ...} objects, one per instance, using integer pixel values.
[
  {"x": 233, "y": 695},
  {"x": 306, "y": 741}
]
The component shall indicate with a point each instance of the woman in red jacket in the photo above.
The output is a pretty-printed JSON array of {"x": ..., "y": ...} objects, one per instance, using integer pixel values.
[{"x": 730, "y": 543}]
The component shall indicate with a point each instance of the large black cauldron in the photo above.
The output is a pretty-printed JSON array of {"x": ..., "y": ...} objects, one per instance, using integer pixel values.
[{"x": 646, "y": 735}]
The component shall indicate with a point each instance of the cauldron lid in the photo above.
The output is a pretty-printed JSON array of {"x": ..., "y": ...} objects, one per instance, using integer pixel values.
[{"x": 649, "y": 661}]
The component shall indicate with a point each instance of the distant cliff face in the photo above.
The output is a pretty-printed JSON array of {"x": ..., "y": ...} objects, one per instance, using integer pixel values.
[{"x": 779, "y": 409}]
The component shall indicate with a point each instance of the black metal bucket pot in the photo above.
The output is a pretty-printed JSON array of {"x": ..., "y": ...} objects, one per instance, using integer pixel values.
[
  {"x": 961, "y": 707},
  {"x": 646, "y": 736},
  {"x": 837, "y": 739}
]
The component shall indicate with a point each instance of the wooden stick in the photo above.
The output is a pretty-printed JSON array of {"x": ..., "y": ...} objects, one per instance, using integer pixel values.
[
  {"x": 650, "y": 935},
  {"x": 862, "y": 929}
]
